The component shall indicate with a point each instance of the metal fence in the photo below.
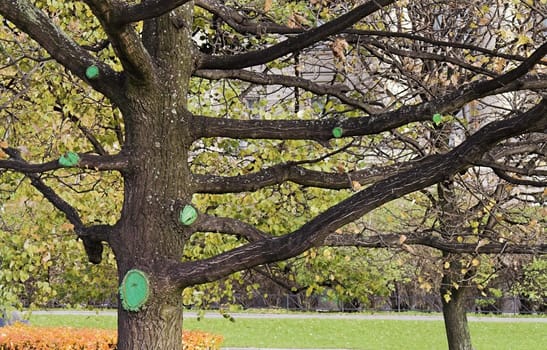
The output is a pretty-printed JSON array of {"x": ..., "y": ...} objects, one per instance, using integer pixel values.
[{"x": 393, "y": 303}]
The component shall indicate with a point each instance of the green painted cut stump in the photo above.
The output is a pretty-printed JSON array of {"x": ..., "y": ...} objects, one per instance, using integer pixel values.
[
  {"x": 337, "y": 132},
  {"x": 188, "y": 215},
  {"x": 437, "y": 118},
  {"x": 134, "y": 290},
  {"x": 92, "y": 72},
  {"x": 69, "y": 159}
]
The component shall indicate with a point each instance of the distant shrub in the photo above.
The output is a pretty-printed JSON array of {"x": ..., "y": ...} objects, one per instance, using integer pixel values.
[{"x": 20, "y": 336}]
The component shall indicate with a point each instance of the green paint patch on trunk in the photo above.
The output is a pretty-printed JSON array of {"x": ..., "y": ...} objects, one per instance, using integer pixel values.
[
  {"x": 188, "y": 215},
  {"x": 134, "y": 290}
]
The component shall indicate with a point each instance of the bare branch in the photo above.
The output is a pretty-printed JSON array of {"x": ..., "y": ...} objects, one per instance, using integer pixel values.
[
  {"x": 336, "y": 90},
  {"x": 295, "y": 43},
  {"x": 354, "y": 35},
  {"x": 88, "y": 135},
  {"x": 522, "y": 182},
  {"x": 398, "y": 241},
  {"x": 430, "y": 56}
]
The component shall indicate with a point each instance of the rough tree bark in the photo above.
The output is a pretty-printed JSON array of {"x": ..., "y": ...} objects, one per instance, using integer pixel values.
[{"x": 157, "y": 181}]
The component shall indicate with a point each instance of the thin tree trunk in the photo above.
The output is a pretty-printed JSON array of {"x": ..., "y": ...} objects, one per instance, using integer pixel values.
[{"x": 455, "y": 315}]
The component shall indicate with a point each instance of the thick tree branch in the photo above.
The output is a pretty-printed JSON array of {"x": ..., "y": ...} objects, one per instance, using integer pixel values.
[
  {"x": 243, "y": 24},
  {"x": 293, "y": 44},
  {"x": 125, "y": 40},
  {"x": 532, "y": 153},
  {"x": 512, "y": 169},
  {"x": 209, "y": 223},
  {"x": 128, "y": 13},
  {"x": 537, "y": 144},
  {"x": 322, "y": 129},
  {"x": 87, "y": 161},
  {"x": 502, "y": 174},
  {"x": 424, "y": 173},
  {"x": 292, "y": 172},
  {"x": 61, "y": 47},
  {"x": 397, "y": 241}
]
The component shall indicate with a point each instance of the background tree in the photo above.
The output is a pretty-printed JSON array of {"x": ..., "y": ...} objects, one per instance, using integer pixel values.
[{"x": 139, "y": 82}]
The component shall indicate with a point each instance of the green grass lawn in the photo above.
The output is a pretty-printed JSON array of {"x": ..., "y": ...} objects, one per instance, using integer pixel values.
[{"x": 336, "y": 333}]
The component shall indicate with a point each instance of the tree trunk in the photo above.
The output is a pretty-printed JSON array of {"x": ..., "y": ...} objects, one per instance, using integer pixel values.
[
  {"x": 455, "y": 315},
  {"x": 149, "y": 236},
  {"x": 158, "y": 326},
  {"x": 157, "y": 186}
]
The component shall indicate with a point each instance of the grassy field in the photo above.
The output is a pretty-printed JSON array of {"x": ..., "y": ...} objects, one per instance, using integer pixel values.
[{"x": 336, "y": 333}]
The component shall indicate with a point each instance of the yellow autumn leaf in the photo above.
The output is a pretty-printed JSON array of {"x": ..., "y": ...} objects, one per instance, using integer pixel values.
[
  {"x": 447, "y": 265},
  {"x": 523, "y": 40},
  {"x": 475, "y": 262},
  {"x": 318, "y": 278},
  {"x": 459, "y": 239},
  {"x": 426, "y": 286},
  {"x": 447, "y": 298}
]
